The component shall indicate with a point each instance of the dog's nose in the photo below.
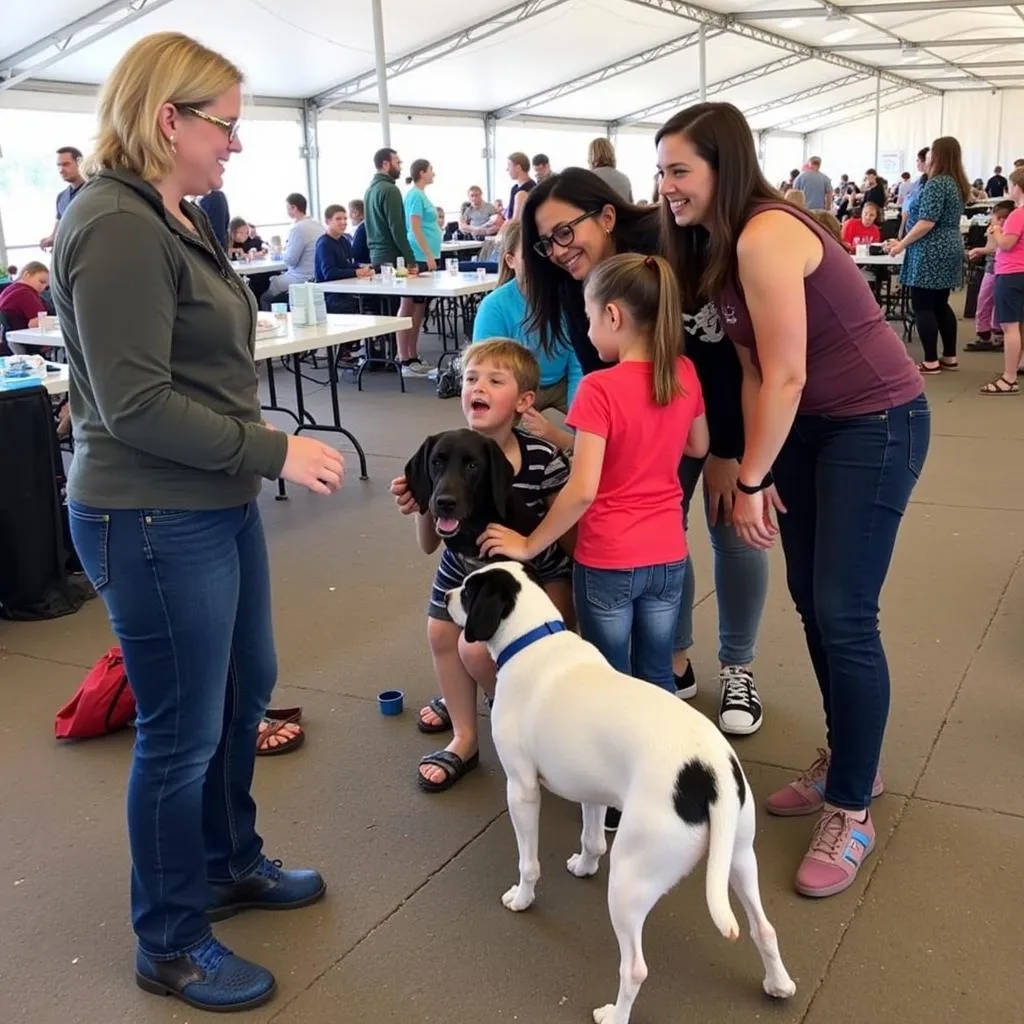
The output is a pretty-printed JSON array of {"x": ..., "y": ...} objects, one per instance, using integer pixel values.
[{"x": 444, "y": 504}]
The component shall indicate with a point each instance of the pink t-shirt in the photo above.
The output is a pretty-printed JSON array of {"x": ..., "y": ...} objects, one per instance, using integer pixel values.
[
  {"x": 1012, "y": 261},
  {"x": 636, "y": 519}
]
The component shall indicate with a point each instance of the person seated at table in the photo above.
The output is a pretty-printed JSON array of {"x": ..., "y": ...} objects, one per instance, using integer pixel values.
[
  {"x": 357, "y": 218},
  {"x": 504, "y": 314},
  {"x": 479, "y": 219},
  {"x": 865, "y": 230},
  {"x": 255, "y": 242},
  {"x": 978, "y": 193},
  {"x": 334, "y": 260},
  {"x": 240, "y": 240},
  {"x": 300, "y": 253},
  {"x": 21, "y": 303}
]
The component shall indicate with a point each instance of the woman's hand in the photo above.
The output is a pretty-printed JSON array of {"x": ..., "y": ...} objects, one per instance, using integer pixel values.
[
  {"x": 536, "y": 423},
  {"x": 720, "y": 476},
  {"x": 752, "y": 517},
  {"x": 313, "y": 464},
  {"x": 500, "y": 540},
  {"x": 431, "y": 263},
  {"x": 403, "y": 496},
  {"x": 894, "y": 248}
]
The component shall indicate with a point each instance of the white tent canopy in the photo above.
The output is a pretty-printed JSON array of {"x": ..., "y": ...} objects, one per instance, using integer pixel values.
[{"x": 858, "y": 82}]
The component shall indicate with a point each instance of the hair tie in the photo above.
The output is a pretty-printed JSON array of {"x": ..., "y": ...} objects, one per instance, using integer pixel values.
[{"x": 649, "y": 262}]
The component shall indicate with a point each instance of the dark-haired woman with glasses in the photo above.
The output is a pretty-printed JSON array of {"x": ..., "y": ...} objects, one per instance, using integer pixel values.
[{"x": 834, "y": 408}]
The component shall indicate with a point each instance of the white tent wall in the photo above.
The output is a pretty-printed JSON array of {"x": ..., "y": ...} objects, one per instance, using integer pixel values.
[{"x": 989, "y": 127}]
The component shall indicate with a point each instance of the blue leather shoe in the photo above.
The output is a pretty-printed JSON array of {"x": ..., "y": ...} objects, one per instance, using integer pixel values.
[
  {"x": 209, "y": 977},
  {"x": 269, "y": 887}
]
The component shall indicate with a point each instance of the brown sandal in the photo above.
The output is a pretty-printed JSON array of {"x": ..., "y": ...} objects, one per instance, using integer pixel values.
[
  {"x": 274, "y": 721},
  {"x": 1000, "y": 386}
]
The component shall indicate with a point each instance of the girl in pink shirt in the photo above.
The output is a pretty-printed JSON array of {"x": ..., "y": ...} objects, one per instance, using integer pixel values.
[
  {"x": 1008, "y": 237},
  {"x": 633, "y": 422}
]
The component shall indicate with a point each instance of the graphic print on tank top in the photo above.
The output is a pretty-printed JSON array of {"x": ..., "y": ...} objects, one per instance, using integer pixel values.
[{"x": 704, "y": 325}]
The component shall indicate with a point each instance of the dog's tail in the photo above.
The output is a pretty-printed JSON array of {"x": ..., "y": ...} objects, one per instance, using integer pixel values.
[{"x": 724, "y": 814}]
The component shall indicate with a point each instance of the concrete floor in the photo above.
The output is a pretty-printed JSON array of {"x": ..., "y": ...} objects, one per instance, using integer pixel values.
[{"x": 413, "y": 929}]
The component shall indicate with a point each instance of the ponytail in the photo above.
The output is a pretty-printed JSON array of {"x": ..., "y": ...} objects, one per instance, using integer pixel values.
[
  {"x": 647, "y": 287},
  {"x": 667, "y": 336}
]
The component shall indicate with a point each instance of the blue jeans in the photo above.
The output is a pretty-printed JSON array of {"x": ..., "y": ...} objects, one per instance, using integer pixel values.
[
  {"x": 630, "y": 615},
  {"x": 846, "y": 483},
  {"x": 188, "y": 594},
  {"x": 741, "y": 583}
]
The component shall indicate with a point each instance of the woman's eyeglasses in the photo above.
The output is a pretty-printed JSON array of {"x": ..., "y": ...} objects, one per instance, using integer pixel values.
[
  {"x": 563, "y": 235},
  {"x": 231, "y": 127}
]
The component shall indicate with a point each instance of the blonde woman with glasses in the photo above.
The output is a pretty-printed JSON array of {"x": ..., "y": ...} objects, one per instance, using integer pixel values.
[{"x": 170, "y": 454}]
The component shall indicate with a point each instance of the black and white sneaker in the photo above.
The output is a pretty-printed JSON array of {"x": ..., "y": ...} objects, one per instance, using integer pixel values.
[
  {"x": 686, "y": 684},
  {"x": 739, "y": 709}
]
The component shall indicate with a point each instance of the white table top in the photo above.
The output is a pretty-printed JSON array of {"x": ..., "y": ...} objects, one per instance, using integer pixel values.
[
  {"x": 259, "y": 266},
  {"x": 431, "y": 286},
  {"x": 878, "y": 261},
  {"x": 460, "y": 245},
  {"x": 340, "y": 329}
]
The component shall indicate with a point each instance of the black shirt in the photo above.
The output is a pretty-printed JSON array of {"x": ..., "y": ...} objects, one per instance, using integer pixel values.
[
  {"x": 875, "y": 194},
  {"x": 997, "y": 186},
  {"x": 526, "y": 186}
]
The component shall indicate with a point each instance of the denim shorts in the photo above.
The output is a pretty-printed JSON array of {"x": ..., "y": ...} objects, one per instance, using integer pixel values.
[{"x": 1010, "y": 298}]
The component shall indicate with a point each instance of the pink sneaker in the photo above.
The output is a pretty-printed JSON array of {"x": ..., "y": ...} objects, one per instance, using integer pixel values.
[
  {"x": 839, "y": 844},
  {"x": 806, "y": 795}
]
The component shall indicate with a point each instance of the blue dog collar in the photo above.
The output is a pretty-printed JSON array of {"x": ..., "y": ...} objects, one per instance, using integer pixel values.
[{"x": 548, "y": 629}]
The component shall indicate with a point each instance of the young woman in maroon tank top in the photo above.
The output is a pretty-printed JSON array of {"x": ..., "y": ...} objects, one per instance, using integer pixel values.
[{"x": 834, "y": 408}]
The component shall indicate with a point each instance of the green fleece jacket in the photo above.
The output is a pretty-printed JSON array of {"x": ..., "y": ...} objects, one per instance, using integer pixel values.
[
  {"x": 386, "y": 232},
  {"x": 160, "y": 335}
]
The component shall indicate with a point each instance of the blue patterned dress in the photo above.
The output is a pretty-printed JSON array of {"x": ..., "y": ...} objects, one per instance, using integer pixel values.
[{"x": 937, "y": 260}]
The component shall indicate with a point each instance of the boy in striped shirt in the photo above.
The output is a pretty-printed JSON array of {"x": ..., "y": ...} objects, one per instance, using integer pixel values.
[{"x": 500, "y": 381}]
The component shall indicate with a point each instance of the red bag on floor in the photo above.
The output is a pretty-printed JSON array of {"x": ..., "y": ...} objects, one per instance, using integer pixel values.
[{"x": 103, "y": 703}]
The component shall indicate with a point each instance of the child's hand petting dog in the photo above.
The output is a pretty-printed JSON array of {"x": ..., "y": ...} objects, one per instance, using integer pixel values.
[
  {"x": 500, "y": 540},
  {"x": 403, "y": 496}
]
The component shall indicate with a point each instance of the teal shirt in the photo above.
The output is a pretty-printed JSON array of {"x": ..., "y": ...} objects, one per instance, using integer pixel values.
[
  {"x": 936, "y": 260},
  {"x": 417, "y": 204},
  {"x": 503, "y": 314}
]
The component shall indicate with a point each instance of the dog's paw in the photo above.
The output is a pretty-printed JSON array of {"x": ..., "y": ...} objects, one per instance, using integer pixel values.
[
  {"x": 606, "y": 1015},
  {"x": 518, "y": 898},
  {"x": 582, "y": 866},
  {"x": 780, "y": 988}
]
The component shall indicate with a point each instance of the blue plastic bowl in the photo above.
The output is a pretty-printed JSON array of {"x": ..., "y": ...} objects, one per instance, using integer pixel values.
[{"x": 391, "y": 702}]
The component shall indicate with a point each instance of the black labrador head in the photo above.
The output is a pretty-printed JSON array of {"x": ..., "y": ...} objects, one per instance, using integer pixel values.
[{"x": 464, "y": 480}]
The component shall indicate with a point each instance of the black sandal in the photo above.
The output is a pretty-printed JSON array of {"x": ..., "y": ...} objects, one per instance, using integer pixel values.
[
  {"x": 1000, "y": 386},
  {"x": 437, "y": 705},
  {"x": 453, "y": 766}
]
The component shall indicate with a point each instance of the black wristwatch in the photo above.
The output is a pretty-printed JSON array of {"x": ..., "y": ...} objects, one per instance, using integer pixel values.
[{"x": 755, "y": 488}]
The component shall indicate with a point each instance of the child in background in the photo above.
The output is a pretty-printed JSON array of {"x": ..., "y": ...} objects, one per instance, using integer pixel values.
[
  {"x": 863, "y": 230},
  {"x": 983, "y": 323},
  {"x": 500, "y": 379},
  {"x": 634, "y": 422},
  {"x": 1009, "y": 242}
]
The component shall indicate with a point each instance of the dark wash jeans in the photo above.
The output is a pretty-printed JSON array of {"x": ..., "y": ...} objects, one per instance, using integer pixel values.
[
  {"x": 846, "y": 483},
  {"x": 188, "y": 594}
]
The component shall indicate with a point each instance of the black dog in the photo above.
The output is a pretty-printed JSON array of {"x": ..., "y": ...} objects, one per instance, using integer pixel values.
[{"x": 464, "y": 480}]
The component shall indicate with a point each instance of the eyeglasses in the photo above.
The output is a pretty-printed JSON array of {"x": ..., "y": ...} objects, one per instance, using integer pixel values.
[
  {"x": 563, "y": 235},
  {"x": 231, "y": 127}
]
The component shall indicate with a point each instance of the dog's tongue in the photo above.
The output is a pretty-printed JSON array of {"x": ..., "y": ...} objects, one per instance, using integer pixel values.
[{"x": 447, "y": 525}]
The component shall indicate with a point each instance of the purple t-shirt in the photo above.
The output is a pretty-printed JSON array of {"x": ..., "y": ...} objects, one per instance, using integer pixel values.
[{"x": 856, "y": 363}]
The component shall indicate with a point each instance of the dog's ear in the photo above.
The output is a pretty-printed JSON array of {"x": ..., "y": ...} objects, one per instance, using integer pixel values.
[
  {"x": 501, "y": 478},
  {"x": 488, "y": 599},
  {"x": 417, "y": 473}
]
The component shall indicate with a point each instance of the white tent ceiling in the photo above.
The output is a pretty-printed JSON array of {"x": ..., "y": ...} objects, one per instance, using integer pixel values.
[{"x": 794, "y": 65}]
